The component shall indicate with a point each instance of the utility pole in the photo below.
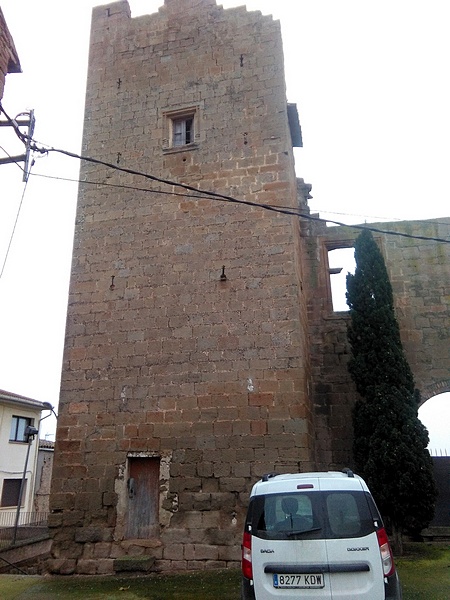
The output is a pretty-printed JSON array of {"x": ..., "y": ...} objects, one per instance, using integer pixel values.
[{"x": 25, "y": 119}]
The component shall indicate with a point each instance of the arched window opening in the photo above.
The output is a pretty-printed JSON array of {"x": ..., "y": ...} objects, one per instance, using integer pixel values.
[{"x": 435, "y": 415}]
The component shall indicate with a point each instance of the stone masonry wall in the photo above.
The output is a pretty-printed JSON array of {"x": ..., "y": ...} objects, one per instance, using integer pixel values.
[
  {"x": 419, "y": 271},
  {"x": 162, "y": 358}
]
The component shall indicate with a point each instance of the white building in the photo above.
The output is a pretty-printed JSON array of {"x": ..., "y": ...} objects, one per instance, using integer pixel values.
[{"x": 19, "y": 417}]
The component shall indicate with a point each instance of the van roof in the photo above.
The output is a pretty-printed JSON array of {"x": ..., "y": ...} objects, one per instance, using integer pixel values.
[{"x": 319, "y": 480}]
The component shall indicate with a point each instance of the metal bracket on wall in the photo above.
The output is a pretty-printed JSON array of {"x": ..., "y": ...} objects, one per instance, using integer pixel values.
[{"x": 29, "y": 122}]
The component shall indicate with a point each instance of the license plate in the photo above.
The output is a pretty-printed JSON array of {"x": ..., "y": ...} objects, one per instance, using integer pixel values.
[{"x": 303, "y": 581}]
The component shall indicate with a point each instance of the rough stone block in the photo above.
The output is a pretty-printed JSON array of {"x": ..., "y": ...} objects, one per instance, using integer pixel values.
[{"x": 133, "y": 563}]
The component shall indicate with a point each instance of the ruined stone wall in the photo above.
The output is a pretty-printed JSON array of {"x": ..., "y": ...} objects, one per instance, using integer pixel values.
[
  {"x": 419, "y": 271},
  {"x": 164, "y": 360},
  {"x": 44, "y": 468}
]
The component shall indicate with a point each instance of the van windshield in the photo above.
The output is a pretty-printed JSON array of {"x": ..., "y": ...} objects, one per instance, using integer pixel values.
[{"x": 311, "y": 515}]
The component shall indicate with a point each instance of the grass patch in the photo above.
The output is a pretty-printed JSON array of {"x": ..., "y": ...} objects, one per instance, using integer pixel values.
[
  {"x": 425, "y": 572},
  {"x": 12, "y": 586},
  {"x": 220, "y": 585}
]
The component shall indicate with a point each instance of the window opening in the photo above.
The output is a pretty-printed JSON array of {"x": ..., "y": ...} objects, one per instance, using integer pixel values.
[
  {"x": 341, "y": 261},
  {"x": 18, "y": 426},
  {"x": 317, "y": 515},
  {"x": 183, "y": 130},
  {"x": 11, "y": 492},
  {"x": 343, "y": 514},
  {"x": 435, "y": 415}
]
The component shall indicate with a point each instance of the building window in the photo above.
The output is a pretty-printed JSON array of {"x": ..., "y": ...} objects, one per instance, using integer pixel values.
[
  {"x": 11, "y": 491},
  {"x": 18, "y": 426},
  {"x": 182, "y": 129}
]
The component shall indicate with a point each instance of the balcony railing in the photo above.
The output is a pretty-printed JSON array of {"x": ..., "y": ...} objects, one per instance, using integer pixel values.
[{"x": 29, "y": 526}]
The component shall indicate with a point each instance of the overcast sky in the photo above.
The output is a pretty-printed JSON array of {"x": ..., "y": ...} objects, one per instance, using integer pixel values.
[{"x": 371, "y": 85}]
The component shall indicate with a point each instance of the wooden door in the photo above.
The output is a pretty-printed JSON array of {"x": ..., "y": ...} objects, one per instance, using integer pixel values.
[{"x": 143, "y": 498}]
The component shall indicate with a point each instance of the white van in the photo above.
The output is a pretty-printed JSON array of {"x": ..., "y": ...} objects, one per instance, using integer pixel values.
[{"x": 311, "y": 536}]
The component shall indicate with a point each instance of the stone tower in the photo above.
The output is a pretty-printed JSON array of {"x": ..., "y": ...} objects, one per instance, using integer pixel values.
[{"x": 186, "y": 366}]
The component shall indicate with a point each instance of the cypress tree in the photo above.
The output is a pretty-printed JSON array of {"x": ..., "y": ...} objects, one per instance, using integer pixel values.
[{"x": 390, "y": 442}]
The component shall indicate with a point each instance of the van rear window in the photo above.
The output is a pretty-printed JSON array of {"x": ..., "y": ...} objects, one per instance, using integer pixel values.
[{"x": 311, "y": 515}]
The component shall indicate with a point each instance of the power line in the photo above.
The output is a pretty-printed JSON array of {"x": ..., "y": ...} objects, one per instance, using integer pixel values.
[
  {"x": 120, "y": 185},
  {"x": 204, "y": 194},
  {"x": 198, "y": 196},
  {"x": 212, "y": 195},
  {"x": 383, "y": 219},
  {"x": 15, "y": 162},
  {"x": 14, "y": 229},
  {"x": 344, "y": 214}
]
